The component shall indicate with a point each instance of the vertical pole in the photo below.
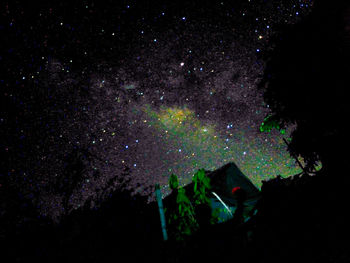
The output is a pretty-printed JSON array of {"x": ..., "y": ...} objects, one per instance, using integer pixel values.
[{"x": 161, "y": 212}]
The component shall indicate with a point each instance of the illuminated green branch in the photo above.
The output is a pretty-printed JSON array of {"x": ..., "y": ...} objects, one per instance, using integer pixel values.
[{"x": 269, "y": 123}]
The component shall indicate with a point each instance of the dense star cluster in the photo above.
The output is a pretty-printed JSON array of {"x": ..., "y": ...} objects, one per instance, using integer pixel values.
[{"x": 95, "y": 93}]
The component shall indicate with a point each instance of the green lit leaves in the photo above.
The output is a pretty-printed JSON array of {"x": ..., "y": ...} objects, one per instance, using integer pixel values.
[
  {"x": 200, "y": 179},
  {"x": 173, "y": 182},
  {"x": 270, "y": 122},
  {"x": 201, "y": 193},
  {"x": 183, "y": 202},
  {"x": 181, "y": 219},
  {"x": 201, "y": 187}
]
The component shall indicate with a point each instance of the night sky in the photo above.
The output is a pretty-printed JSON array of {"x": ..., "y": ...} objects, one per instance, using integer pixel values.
[{"x": 156, "y": 87}]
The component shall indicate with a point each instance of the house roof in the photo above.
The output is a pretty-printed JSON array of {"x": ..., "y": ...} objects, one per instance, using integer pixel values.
[{"x": 222, "y": 181}]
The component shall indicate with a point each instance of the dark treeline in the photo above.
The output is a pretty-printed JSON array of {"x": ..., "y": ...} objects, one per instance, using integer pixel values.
[{"x": 306, "y": 79}]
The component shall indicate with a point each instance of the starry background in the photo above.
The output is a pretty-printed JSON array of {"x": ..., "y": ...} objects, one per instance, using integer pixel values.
[{"x": 134, "y": 91}]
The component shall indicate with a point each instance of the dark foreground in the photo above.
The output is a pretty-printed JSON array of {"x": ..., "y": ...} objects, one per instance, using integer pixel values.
[{"x": 299, "y": 219}]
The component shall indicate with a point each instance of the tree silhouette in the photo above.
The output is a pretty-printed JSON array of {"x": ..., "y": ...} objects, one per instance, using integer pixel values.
[
  {"x": 305, "y": 80},
  {"x": 72, "y": 176}
]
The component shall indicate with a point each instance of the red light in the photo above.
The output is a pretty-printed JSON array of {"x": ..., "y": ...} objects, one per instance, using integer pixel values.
[{"x": 234, "y": 190}]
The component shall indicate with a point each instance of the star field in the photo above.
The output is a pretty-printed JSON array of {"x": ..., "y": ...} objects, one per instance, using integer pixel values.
[{"x": 159, "y": 88}]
